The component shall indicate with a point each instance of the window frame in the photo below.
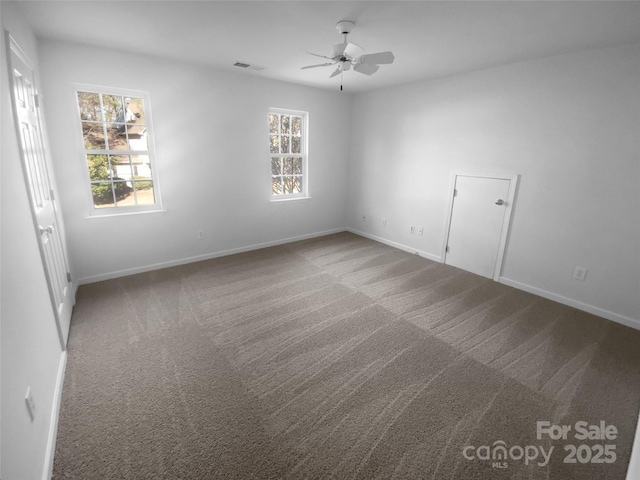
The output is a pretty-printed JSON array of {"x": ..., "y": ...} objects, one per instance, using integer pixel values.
[
  {"x": 304, "y": 155},
  {"x": 118, "y": 210}
]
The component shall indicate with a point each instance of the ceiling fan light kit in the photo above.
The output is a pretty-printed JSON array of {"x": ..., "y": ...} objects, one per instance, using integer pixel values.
[{"x": 346, "y": 55}]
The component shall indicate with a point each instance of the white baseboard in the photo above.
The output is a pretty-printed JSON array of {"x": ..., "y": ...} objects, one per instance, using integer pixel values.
[
  {"x": 198, "y": 258},
  {"x": 633, "y": 472},
  {"x": 622, "y": 319},
  {"x": 600, "y": 312},
  {"x": 55, "y": 412},
  {"x": 400, "y": 246}
]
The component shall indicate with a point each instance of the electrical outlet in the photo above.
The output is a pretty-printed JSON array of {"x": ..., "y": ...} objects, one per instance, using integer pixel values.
[
  {"x": 384, "y": 222},
  {"x": 580, "y": 273},
  {"x": 200, "y": 235},
  {"x": 420, "y": 231},
  {"x": 413, "y": 230},
  {"x": 31, "y": 404}
]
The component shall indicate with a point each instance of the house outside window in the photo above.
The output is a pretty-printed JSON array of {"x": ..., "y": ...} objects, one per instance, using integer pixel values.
[
  {"x": 118, "y": 150},
  {"x": 288, "y": 150}
]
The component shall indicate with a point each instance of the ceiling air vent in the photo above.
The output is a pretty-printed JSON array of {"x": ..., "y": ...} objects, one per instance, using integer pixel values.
[{"x": 249, "y": 66}]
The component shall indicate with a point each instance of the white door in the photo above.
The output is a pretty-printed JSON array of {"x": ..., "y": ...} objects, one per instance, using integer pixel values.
[
  {"x": 478, "y": 224},
  {"x": 52, "y": 248}
]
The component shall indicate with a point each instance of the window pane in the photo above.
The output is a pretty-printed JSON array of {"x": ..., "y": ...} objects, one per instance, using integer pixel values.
[
  {"x": 273, "y": 123},
  {"x": 89, "y": 104},
  {"x": 124, "y": 193},
  {"x": 137, "y": 135},
  {"x": 141, "y": 165},
  {"x": 276, "y": 185},
  {"x": 287, "y": 166},
  {"x": 135, "y": 107},
  {"x": 102, "y": 194},
  {"x": 113, "y": 111},
  {"x": 98, "y": 167},
  {"x": 297, "y": 184},
  {"x": 296, "y": 168},
  {"x": 275, "y": 144},
  {"x": 284, "y": 144},
  {"x": 295, "y": 145},
  {"x": 275, "y": 166},
  {"x": 144, "y": 192},
  {"x": 284, "y": 124},
  {"x": 116, "y": 138},
  {"x": 296, "y": 125},
  {"x": 93, "y": 136},
  {"x": 121, "y": 167},
  {"x": 291, "y": 184}
]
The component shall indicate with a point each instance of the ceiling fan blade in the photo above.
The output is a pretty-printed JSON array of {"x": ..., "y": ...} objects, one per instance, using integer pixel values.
[
  {"x": 352, "y": 50},
  {"x": 366, "y": 68},
  {"x": 337, "y": 72},
  {"x": 347, "y": 48},
  {"x": 377, "y": 58},
  {"x": 321, "y": 56},
  {"x": 338, "y": 50},
  {"x": 320, "y": 65}
]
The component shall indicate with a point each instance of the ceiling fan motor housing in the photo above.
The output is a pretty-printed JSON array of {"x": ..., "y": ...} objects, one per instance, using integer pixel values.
[{"x": 344, "y": 27}]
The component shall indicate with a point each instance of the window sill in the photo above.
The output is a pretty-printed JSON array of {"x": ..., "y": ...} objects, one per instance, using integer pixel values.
[
  {"x": 124, "y": 214},
  {"x": 288, "y": 199}
]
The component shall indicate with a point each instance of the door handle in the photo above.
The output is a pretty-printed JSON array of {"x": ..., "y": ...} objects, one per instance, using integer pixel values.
[
  {"x": 44, "y": 230},
  {"x": 499, "y": 202}
]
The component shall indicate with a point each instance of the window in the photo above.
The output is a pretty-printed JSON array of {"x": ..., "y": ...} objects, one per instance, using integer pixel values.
[
  {"x": 118, "y": 151},
  {"x": 287, "y": 135}
]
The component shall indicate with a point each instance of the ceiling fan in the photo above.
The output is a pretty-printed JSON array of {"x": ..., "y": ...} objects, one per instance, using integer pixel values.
[{"x": 346, "y": 55}]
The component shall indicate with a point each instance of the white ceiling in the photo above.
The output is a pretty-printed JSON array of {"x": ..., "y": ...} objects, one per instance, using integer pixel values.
[{"x": 430, "y": 39}]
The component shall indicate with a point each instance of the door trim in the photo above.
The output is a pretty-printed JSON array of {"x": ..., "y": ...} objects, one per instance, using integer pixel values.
[{"x": 513, "y": 185}]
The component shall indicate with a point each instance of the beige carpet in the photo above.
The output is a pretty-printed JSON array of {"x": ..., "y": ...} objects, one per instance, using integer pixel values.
[{"x": 340, "y": 358}]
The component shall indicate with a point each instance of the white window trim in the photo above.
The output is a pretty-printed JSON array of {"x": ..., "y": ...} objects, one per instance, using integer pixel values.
[
  {"x": 305, "y": 157},
  {"x": 125, "y": 209}
]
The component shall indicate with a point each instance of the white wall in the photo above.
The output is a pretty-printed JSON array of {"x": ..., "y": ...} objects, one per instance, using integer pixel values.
[
  {"x": 212, "y": 154},
  {"x": 31, "y": 352},
  {"x": 569, "y": 125}
]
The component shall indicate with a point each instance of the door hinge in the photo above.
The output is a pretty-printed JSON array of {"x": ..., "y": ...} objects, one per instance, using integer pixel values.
[
  {"x": 446, "y": 249},
  {"x": 53, "y": 196},
  {"x": 68, "y": 277},
  {"x": 36, "y": 100},
  {"x": 455, "y": 192}
]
